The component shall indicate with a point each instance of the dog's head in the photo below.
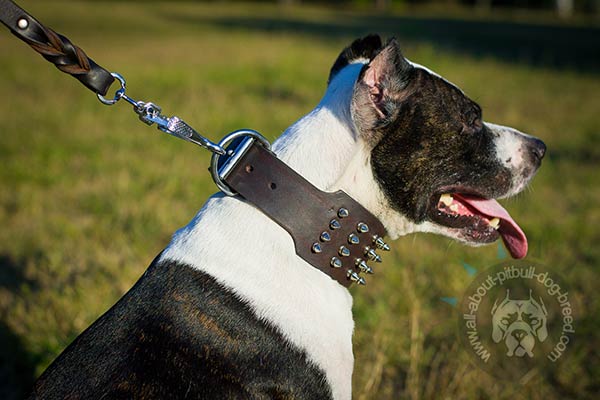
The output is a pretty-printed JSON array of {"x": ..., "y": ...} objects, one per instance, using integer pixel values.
[
  {"x": 519, "y": 323},
  {"x": 437, "y": 163}
]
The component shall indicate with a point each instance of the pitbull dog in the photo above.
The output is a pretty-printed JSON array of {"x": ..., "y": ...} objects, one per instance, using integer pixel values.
[
  {"x": 228, "y": 310},
  {"x": 519, "y": 323}
]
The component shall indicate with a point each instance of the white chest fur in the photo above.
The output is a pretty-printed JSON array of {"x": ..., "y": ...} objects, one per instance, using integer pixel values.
[{"x": 253, "y": 256}]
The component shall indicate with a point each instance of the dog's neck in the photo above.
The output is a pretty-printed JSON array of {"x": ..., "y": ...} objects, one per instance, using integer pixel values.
[
  {"x": 255, "y": 258},
  {"x": 321, "y": 144},
  {"x": 326, "y": 149}
]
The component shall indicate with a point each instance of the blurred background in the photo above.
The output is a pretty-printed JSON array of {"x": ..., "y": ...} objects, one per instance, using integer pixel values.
[{"x": 89, "y": 195}]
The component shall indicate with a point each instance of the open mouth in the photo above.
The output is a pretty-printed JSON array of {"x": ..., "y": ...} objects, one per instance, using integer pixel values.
[{"x": 478, "y": 220}]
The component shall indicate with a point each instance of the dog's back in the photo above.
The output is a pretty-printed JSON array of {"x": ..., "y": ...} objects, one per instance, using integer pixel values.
[{"x": 179, "y": 334}]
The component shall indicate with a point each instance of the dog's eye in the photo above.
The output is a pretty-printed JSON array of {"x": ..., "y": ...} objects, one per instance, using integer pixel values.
[
  {"x": 531, "y": 319},
  {"x": 505, "y": 321}
]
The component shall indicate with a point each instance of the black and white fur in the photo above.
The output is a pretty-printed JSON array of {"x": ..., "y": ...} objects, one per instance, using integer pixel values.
[{"x": 228, "y": 310}]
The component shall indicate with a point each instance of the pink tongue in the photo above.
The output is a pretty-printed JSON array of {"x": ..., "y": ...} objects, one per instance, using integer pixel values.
[{"x": 512, "y": 235}]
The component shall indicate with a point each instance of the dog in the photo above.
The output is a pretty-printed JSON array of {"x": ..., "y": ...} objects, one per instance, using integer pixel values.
[
  {"x": 228, "y": 310},
  {"x": 519, "y": 323}
]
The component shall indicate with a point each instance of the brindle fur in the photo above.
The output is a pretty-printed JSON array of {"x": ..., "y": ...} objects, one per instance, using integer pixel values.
[{"x": 179, "y": 334}]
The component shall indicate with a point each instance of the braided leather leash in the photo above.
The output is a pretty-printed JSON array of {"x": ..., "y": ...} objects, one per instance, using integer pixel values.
[
  {"x": 55, "y": 48},
  {"x": 331, "y": 231}
]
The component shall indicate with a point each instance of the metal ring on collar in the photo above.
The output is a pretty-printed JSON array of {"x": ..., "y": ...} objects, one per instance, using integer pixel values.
[{"x": 218, "y": 175}]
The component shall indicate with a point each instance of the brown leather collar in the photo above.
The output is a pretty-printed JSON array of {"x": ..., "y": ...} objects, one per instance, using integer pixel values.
[{"x": 331, "y": 231}]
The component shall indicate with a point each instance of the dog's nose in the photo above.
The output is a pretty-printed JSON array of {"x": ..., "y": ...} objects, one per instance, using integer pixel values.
[
  {"x": 537, "y": 148},
  {"x": 519, "y": 334}
]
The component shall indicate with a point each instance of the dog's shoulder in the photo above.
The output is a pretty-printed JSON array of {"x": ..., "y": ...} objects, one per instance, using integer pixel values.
[{"x": 178, "y": 332}]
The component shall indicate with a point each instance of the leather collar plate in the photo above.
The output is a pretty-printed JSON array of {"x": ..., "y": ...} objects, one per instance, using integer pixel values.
[{"x": 331, "y": 231}]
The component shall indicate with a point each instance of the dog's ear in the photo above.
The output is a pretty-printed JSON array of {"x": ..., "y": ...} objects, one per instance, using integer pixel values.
[
  {"x": 542, "y": 332},
  {"x": 496, "y": 329},
  {"x": 382, "y": 85},
  {"x": 362, "y": 50},
  {"x": 496, "y": 332},
  {"x": 543, "y": 306}
]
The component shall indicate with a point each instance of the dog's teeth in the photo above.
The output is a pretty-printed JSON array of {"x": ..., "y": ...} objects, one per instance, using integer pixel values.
[
  {"x": 454, "y": 208},
  {"x": 495, "y": 223},
  {"x": 447, "y": 199}
]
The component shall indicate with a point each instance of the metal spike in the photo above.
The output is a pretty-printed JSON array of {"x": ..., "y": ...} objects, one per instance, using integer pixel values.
[
  {"x": 335, "y": 262},
  {"x": 353, "y": 239},
  {"x": 316, "y": 248},
  {"x": 344, "y": 251},
  {"x": 343, "y": 213},
  {"x": 325, "y": 237},
  {"x": 362, "y": 265},
  {"x": 334, "y": 224},
  {"x": 362, "y": 227},
  {"x": 378, "y": 241},
  {"x": 372, "y": 254},
  {"x": 354, "y": 277}
]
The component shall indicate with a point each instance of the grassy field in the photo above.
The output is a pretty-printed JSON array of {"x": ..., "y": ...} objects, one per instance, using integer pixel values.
[{"x": 89, "y": 195}]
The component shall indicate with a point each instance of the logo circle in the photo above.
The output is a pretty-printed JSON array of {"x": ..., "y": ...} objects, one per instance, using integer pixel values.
[{"x": 516, "y": 320}]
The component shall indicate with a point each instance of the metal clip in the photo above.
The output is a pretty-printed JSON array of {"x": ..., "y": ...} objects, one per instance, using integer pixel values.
[
  {"x": 150, "y": 113},
  {"x": 178, "y": 127}
]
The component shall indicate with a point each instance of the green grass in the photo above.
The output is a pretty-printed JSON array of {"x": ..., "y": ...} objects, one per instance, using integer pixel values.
[{"x": 89, "y": 195}]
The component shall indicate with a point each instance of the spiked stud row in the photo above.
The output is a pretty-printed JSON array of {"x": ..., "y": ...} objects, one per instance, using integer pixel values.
[{"x": 353, "y": 239}]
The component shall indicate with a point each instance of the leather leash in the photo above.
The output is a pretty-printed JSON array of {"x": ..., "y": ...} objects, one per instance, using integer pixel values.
[
  {"x": 331, "y": 231},
  {"x": 55, "y": 48}
]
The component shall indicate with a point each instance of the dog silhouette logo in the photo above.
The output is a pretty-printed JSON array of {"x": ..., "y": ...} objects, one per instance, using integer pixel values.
[
  {"x": 516, "y": 320},
  {"x": 519, "y": 323}
]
